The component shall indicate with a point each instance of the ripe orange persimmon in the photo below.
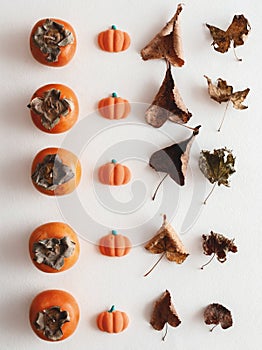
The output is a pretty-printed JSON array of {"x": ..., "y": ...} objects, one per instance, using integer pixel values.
[
  {"x": 54, "y": 315},
  {"x": 55, "y": 171},
  {"x": 53, "y": 42},
  {"x": 54, "y": 247},
  {"x": 54, "y": 108}
]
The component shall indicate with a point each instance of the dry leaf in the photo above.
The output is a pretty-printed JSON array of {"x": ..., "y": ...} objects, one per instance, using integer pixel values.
[
  {"x": 218, "y": 314},
  {"x": 216, "y": 244},
  {"x": 164, "y": 313},
  {"x": 173, "y": 160},
  {"x": 217, "y": 167},
  {"x": 167, "y": 43},
  {"x": 224, "y": 93},
  {"x": 167, "y": 104},
  {"x": 167, "y": 242},
  {"x": 236, "y": 33}
]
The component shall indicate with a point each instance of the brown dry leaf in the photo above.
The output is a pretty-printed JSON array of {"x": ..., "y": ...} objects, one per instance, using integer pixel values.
[
  {"x": 167, "y": 43},
  {"x": 167, "y": 243},
  {"x": 218, "y": 314},
  {"x": 224, "y": 93},
  {"x": 164, "y": 313},
  {"x": 167, "y": 104},
  {"x": 236, "y": 32}
]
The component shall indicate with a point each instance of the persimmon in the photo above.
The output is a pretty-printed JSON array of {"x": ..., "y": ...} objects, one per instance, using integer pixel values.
[
  {"x": 54, "y": 315},
  {"x": 54, "y": 108},
  {"x": 53, "y": 42},
  {"x": 55, "y": 171},
  {"x": 54, "y": 247}
]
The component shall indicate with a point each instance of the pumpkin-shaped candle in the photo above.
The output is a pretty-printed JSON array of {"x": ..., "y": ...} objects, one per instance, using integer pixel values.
[
  {"x": 113, "y": 40},
  {"x": 114, "y": 174},
  {"x": 112, "y": 321},
  {"x": 114, "y": 107},
  {"x": 114, "y": 244}
]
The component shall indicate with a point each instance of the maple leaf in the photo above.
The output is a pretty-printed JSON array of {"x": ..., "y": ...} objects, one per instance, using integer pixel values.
[
  {"x": 218, "y": 314},
  {"x": 167, "y": 43},
  {"x": 164, "y": 313},
  {"x": 216, "y": 244},
  {"x": 236, "y": 33},
  {"x": 167, "y": 242},
  {"x": 224, "y": 93},
  {"x": 173, "y": 160},
  {"x": 167, "y": 104},
  {"x": 217, "y": 167}
]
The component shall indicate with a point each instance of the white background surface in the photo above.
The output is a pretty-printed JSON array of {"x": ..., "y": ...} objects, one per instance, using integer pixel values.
[{"x": 98, "y": 282}]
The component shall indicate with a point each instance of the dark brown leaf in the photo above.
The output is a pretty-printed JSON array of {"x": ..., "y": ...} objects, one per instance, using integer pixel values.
[
  {"x": 236, "y": 33},
  {"x": 219, "y": 245},
  {"x": 167, "y": 104},
  {"x": 167, "y": 43},
  {"x": 164, "y": 312},
  {"x": 218, "y": 314},
  {"x": 173, "y": 160}
]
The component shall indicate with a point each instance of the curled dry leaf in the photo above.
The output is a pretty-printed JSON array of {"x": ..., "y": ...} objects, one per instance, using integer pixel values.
[
  {"x": 218, "y": 314},
  {"x": 217, "y": 166},
  {"x": 167, "y": 104},
  {"x": 236, "y": 33},
  {"x": 221, "y": 92},
  {"x": 167, "y": 242},
  {"x": 167, "y": 43},
  {"x": 164, "y": 313},
  {"x": 173, "y": 160},
  {"x": 216, "y": 244}
]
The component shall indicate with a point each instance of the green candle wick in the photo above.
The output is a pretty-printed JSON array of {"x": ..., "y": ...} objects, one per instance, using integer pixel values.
[
  {"x": 113, "y": 27},
  {"x": 113, "y": 161},
  {"x": 114, "y": 94},
  {"x": 112, "y": 308},
  {"x": 114, "y": 232}
]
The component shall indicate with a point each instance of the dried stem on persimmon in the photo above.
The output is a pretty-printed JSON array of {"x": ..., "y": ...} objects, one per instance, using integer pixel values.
[{"x": 158, "y": 261}]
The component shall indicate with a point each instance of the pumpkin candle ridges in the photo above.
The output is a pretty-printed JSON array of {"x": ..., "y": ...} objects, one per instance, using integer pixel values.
[
  {"x": 113, "y": 40},
  {"x": 114, "y": 174},
  {"x": 114, "y": 107},
  {"x": 114, "y": 244},
  {"x": 112, "y": 321}
]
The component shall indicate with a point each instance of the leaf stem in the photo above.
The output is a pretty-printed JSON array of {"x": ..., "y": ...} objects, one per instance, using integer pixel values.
[
  {"x": 158, "y": 261},
  {"x": 211, "y": 329},
  {"x": 205, "y": 201},
  {"x": 166, "y": 329},
  {"x": 154, "y": 195},
  {"x": 209, "y": 261},
  {"x": 224, "y": 115},
  {"x": 237, "y": 58}
]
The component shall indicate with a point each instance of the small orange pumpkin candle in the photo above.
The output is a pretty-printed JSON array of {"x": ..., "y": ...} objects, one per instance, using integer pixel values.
[
  {"x": 114, "y": 174},
  {"x": 113, "y": 40},
  {"x": 114, "y": 244},
  {"x": 112, "y": 321},
  {"x": 114, "y": 107}
]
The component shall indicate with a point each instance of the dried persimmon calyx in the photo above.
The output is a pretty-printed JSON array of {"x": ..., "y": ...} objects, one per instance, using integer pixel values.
[
  {"x": 51, "y": 107},
  {"x": 52, "y": 173},
  {"x": 50, "y": 322},
  {"x": 50, "y": 36},
  {"x": 53, "y": 251}
]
